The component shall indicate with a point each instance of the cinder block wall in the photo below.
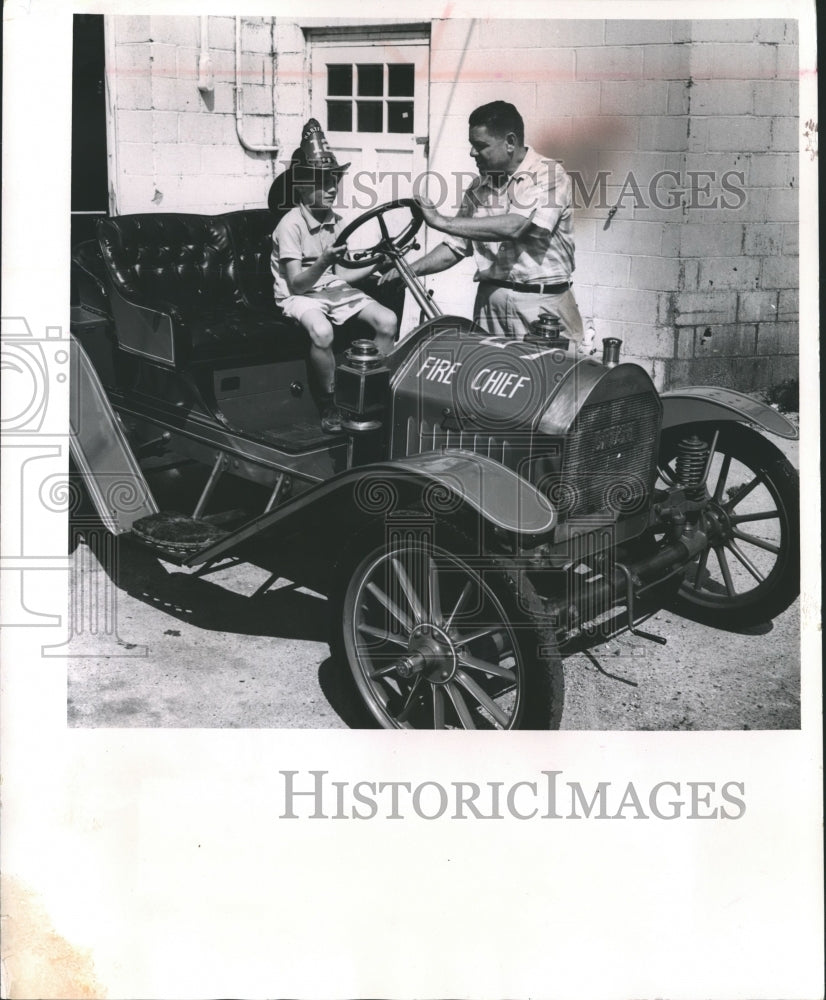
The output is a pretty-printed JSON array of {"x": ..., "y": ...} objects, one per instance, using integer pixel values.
[
  {"x": 177, "y": 149},
  {"x": 735, "y": 315},
  {"x": 697, "y": 293},
  {"x": 700, "y": 279}
]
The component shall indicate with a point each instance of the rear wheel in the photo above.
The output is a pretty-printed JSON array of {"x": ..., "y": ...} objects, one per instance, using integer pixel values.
[
  {"x": 437, "y": 638},
  {"x": 751, "y": 571}
]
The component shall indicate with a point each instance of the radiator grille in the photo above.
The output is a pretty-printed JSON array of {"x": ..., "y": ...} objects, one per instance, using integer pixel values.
[
  {"x": 610, "y": 455},
  {"x": 424, "y": 436}
]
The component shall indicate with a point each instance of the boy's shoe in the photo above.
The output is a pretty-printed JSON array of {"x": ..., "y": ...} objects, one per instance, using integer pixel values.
[{"x": 331, "y": 419}]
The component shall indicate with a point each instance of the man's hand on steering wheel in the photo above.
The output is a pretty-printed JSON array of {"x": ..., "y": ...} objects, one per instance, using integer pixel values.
[{"x": 430, "y": 213}]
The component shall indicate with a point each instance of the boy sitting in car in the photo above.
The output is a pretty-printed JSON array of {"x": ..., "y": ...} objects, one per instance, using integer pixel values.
[{"x": 304, "y": 255}]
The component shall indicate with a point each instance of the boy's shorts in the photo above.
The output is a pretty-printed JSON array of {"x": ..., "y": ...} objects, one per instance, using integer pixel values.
[{"x": 338, "y": 301}]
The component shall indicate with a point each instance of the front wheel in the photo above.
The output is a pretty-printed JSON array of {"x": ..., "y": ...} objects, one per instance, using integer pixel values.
[
  {"x": 436, "y": 639},
  {"x": 751, "y": 571}
]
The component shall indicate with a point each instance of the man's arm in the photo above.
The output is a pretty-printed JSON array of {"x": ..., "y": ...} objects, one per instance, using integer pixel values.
[
  {"x": 440, "y": 258},
  {"x": 486, "y": 228}
]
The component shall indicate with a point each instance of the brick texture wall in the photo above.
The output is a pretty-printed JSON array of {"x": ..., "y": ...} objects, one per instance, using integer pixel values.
[{"x": 683, "y": 137}]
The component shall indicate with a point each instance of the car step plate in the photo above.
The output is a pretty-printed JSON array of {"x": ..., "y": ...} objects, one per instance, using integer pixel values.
[{"x": 176, "y": 535}]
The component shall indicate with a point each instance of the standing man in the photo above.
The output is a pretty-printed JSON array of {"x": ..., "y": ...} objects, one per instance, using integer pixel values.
[{"x": 516, "y": 219}]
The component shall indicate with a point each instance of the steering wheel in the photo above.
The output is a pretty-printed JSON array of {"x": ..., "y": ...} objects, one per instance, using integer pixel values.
[{"x": 373, "y": 255}]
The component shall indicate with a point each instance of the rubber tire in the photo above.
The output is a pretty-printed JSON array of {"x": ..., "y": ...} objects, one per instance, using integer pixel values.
[
  {"x": 543, "y": 678},
  {"x": 782, "y": 586}
]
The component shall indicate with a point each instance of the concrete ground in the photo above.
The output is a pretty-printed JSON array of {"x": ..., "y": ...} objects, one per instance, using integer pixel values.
[{"x": 234, "y": 648}]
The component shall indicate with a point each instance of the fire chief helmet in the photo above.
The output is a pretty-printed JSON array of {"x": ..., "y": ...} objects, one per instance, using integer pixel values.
[{"x": 314, "y": 154}]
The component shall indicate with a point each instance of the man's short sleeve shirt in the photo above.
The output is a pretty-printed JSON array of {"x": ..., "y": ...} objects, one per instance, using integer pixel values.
[{"x": 540, "y": 190}]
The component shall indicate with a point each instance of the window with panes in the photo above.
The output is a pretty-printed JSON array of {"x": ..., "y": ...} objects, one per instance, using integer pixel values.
[{"x": 370, "y": 97}]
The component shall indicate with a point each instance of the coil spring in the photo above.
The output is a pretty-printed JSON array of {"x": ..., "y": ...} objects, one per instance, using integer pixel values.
[{"x": 692, "y": 455}]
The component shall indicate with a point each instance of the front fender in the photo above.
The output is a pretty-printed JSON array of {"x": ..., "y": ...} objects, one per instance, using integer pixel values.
[
  {"x": 697, "y": 403},
  {"x": 501, "y": 496},
  {"x": 497, "y": 493}
]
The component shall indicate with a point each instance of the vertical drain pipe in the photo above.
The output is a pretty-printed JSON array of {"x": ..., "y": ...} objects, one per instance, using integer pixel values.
[
  {"x": 239, "y": 106},
  {"x": 206, "y": 83}
]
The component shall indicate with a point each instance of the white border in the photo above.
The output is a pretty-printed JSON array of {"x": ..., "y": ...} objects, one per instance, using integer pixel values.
[{"x": 159, "y": 856}]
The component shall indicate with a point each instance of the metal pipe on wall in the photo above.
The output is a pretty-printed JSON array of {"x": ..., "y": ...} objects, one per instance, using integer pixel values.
[
  {"x": 205, "y": 79},
  {"x": 239, "y": 112}
]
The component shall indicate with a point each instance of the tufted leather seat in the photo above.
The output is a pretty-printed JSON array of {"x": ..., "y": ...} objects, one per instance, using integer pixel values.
[
  {"x": 189, "y": 289},
  {"x": 251, "y": 234},
  {"x": 88, "y": 279}
]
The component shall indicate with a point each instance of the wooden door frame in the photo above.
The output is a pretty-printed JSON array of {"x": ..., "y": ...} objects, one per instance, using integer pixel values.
[
  {"x": 110, "y": 76},
  {"x": 332, "y": 36},
  {"x": 414, "y": 33}
]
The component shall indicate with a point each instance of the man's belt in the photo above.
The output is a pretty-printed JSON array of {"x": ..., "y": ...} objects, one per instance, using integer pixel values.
[{"x": 556, "y": 289}]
